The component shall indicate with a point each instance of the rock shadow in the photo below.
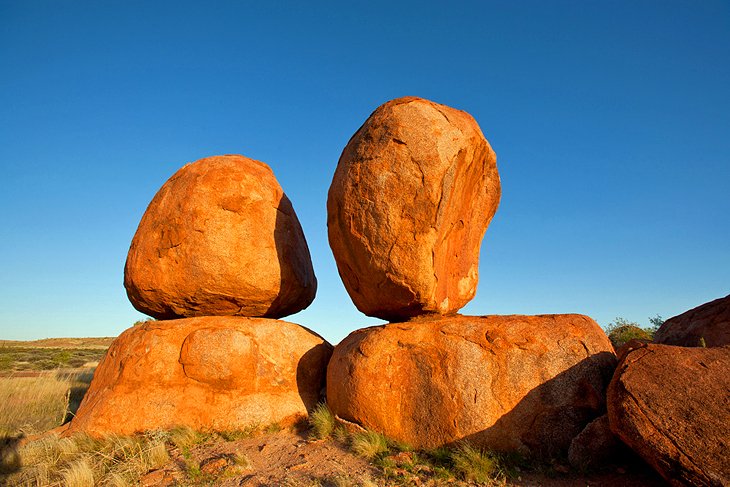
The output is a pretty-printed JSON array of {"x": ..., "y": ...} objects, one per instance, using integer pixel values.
[
  {"x": 312, "y": 374},
  {"x": 10, "y": 461},
  {"x": 298, "y": 282},
  {"x": 544, "y": 422}
]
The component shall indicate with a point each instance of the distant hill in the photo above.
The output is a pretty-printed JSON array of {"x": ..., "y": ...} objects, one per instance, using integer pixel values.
[{"x": 93, "y": 342}]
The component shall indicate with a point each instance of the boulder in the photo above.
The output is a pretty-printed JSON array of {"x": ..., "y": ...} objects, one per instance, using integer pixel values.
[
  {"x": 671, "y": 405},
  {"x": 596, "y": 446},
  {"x": 411, "y": 198},
  {"x": 507, "y": 383},
  {"x": 220, "y": 238},
  {"x": 629, "y": 346},
  {"x": 208, "y": 373},
  {"x": 707, "y": 324}
]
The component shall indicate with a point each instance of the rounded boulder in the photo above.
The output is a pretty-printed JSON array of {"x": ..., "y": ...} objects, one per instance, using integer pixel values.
[
  {"x": 207, "y": 373},
  {"x": 507, "y": 383},
  {"x": 671, "y": 405},
  {"x": 413, "y": 193},
  {"x": 706, "y": 325},
  {"x": 220, "y": 238}
]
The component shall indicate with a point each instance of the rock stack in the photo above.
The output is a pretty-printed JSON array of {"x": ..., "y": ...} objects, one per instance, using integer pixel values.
[
  {"x": 413, "y": 194},
  {"x": 218, "y": 255}
]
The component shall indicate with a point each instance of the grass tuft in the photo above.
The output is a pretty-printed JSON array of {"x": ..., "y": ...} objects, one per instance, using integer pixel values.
[
  {"x": 474, "y": 465},
  {"x": 183, "y": 437},
  {"x": 369, "y": 444},
  {"x": 273, "y": 428},
  {"x": 322, "y": 422},
  {"x": 235, "y": 435},
  {"x": 78, "y": 474}
]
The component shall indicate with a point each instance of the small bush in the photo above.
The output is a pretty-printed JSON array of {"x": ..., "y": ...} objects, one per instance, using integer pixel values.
[
  {"x": 322, "y": 422},
  {"x": 474, "y": 464},
  {"x": 621, "y": 331},
  {"x": 369, "y": 444}
]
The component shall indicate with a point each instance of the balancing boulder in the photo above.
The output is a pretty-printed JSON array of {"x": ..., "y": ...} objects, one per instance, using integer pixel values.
[
  {"x": 507, "y": 383},
  {"x": 411, "y": 198},
  {"x": 220, "y": 238},
  {"x": 208, "y": 373}
]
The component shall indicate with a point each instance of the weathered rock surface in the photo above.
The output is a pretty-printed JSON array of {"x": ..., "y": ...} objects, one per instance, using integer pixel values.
[
  {"x": 220, "y": 238},
  {"x": 206, "y": 373},
  {"x": 709, "y": 322},
  {"x": 595, "y": 446},
  {"x": 507, "y": 383},
  {"x": 413, "y": 194},
  {"x": 671, "y": 405}
]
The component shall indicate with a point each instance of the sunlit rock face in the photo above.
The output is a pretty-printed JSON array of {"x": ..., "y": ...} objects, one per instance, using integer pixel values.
[
  {"x": 209, "y": 373},
  {"x": 220, "y": 238},
  {"x": 411, "y": 198},
  {"x": 507, "y": 383}
]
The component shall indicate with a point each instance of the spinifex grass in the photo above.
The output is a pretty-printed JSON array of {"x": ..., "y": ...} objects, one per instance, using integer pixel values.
[
  {"x": 322, "y": 422},
  {"x": 80, "y": 460},
  {"x": 33, "y": 404}
]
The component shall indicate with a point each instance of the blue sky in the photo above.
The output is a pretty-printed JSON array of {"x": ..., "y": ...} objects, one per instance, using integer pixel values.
[{"x": 611, "y": 123}]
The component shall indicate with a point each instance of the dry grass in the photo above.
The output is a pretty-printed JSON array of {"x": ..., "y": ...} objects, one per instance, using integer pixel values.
[
  {"x": 83, "y": 461},
  {"x": 33, "y": 404}
]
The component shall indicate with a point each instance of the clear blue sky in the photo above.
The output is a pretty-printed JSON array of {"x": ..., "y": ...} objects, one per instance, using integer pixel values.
[{"x": 611, "y": 123}]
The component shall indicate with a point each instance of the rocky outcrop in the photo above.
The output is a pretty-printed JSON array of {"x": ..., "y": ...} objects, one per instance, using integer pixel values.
[
  {"x": 671, "y": 406},
  {"x": 220, "y": 238},
  {"x": 706, "y": 325},
  {"x": 208, "y": 373},
  {"x": 508, "y": 383},
  {"x": 413, "y": 194}
]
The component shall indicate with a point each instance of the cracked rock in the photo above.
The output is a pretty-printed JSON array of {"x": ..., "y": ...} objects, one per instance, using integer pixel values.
[
  {"x": 506, "y": 383},
  {"x": 413, "y": 193}
]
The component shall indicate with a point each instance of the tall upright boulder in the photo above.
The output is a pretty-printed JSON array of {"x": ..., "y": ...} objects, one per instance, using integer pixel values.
[
  {"x": 508, "y": 383},
  {"x": 413, "y": 193},
  {"x": 220, "y": 238}
]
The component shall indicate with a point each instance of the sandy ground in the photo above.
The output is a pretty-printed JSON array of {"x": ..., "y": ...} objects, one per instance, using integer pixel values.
[{"x": 291, "y": 459}]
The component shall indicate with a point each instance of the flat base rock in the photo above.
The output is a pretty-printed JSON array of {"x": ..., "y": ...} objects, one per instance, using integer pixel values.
[
  {"x": 506, "y": 383},
  {"x": 708, "y": 323},
  {"x": 208, "y": 373},
  {"x": 671, "y": 405}
]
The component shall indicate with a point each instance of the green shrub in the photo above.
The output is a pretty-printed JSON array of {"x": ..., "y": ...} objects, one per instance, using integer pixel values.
[{"x": 621, "y": 331}]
